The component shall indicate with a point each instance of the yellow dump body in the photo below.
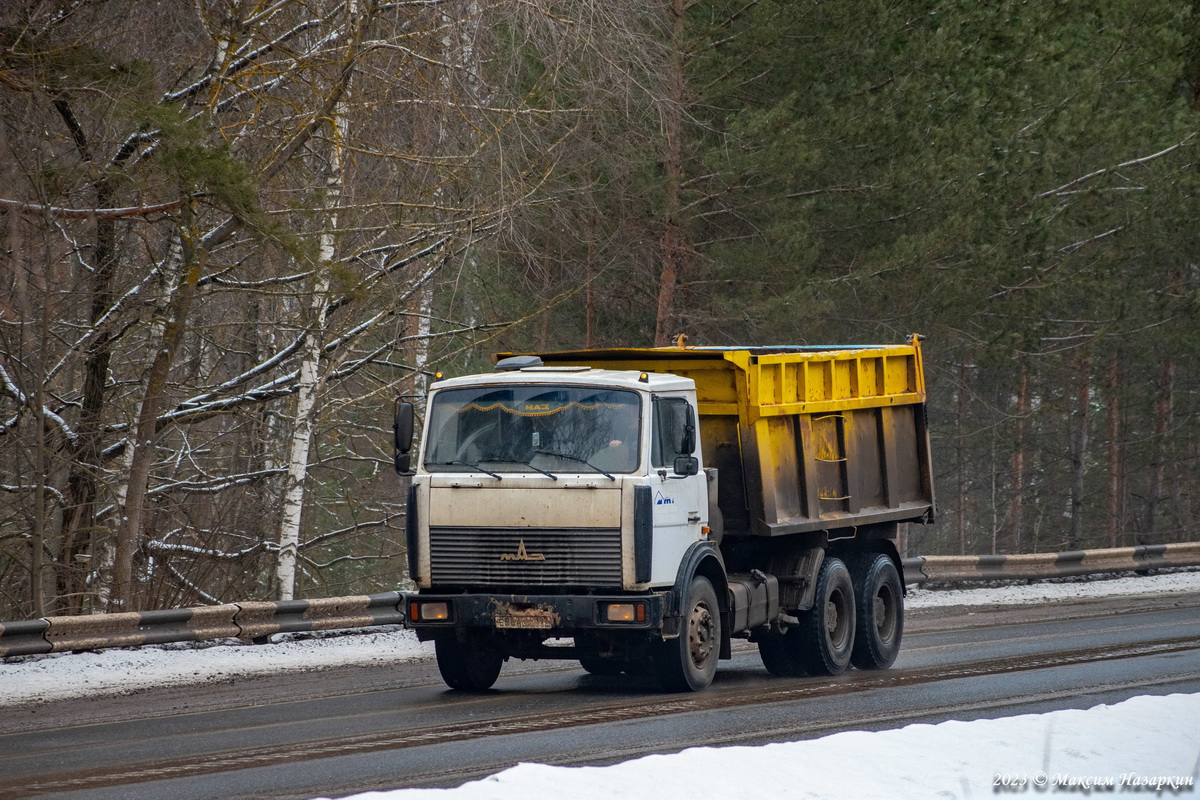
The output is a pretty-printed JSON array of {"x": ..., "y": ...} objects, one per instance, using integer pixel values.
[{"x": 803, "y": 438}]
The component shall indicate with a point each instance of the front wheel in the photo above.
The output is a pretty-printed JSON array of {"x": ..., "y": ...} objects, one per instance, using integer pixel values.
[
  {"x": 472, "y": 664},
  {"x": 879, "y": 597},
  {"x": 689, "y": 663}
]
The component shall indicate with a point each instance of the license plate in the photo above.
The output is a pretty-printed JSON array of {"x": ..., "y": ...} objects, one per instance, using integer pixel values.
[{"x": 527, "y": 621}]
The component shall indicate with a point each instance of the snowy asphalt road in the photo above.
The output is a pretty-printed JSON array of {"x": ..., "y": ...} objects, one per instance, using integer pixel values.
[{"x": 344, "y": 731}]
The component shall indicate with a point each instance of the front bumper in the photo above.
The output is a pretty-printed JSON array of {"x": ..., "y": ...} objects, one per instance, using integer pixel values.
[{"x": 552, "y": 614}]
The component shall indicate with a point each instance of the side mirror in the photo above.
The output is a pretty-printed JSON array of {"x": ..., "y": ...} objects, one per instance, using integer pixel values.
[
  {"x": 687, "y": 465},
  {"x": 402, "y": 436},
  {"x": 402, "y": 427},
  {"x": 688, "y": 445}
]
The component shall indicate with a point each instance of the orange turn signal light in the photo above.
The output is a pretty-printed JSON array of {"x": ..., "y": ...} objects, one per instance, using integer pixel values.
[
  {"x": 429, "y": 612},
  {"x": 626, "y": 612}
]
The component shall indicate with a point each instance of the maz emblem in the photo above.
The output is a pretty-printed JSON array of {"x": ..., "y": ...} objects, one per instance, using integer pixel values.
[{"x": 522, "y": 555}]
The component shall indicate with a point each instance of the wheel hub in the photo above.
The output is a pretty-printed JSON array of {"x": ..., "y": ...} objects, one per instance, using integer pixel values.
[
  {"x": 837, "y": 623},
  {"x": 831, "y": 616},
  {"x": 885, "y": 613},
  {"x": 700, "y": 635}
]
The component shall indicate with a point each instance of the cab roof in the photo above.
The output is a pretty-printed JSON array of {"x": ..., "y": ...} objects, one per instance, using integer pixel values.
[{"x": 573, "y": 376}]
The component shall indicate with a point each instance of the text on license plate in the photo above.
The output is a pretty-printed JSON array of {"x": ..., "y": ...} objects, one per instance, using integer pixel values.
[{"x": 525, "y": 621}]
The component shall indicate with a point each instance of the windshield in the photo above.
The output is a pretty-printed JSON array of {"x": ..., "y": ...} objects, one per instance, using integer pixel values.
[{"x": 554, "y": 428}]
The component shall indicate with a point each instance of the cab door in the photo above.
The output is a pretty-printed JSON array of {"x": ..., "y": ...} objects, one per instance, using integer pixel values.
[{"x": 677, "y": 485}]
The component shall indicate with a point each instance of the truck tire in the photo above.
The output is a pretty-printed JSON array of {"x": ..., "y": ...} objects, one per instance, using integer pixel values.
[
  {"x": 826, "y": 631},
  {"x": 472, "y": 665},
  {"x": 688, "y": 662},
  {"x": 879, "y": 598}
]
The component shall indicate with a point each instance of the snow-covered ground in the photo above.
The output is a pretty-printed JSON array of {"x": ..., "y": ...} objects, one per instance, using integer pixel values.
[
  {"x": 1058, "y": 590},
  {"x": 121, "y": 671},
  {"x": 1144, "y": 747}
]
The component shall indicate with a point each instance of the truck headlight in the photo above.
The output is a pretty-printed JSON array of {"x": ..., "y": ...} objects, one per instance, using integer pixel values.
[{"x": 625, "y": 612}]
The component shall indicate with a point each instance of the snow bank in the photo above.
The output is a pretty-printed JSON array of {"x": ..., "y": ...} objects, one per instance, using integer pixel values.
[
  {"x": 1068, "y": 589},
  {"x": 123, "y": 671},
  {"x": 1143, "y": 747}
]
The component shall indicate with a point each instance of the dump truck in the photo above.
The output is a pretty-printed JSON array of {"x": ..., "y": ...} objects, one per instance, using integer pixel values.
[{"x": 638, "y": 509}]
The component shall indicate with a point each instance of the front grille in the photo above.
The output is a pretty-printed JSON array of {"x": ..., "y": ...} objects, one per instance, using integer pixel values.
[{"x": 526, "y": 556}]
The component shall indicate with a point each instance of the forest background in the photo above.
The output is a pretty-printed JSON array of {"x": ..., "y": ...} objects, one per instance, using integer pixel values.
[{"x": 233, "y": 232}]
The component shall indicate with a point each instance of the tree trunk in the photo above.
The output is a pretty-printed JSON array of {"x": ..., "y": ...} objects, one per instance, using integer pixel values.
[
  {"x": 1079, "y": 449},
  {"x": 1017, "y": 500},
  {"x": 309, "y": 383},
  {"x": 994, "y": 503},
  {"x": 547, "y": 283},
  {"x": 672, "y": 246},
  {"x": 302, "y": 430},
  {"x": 183, "y": 277},
  {"x": 1163, "y": 418},
  {"x": 40, "y": 466},
  {"x": 33, "y": 345},
  {"x": 37, "y": 543},
  {"x": 1114, "y": 526},
  {"x": 589, "y": 302},
  {"x": 79, "y": 531},
  {"x": 960, "y": 455},
  {"x": 82, "y": 483}
]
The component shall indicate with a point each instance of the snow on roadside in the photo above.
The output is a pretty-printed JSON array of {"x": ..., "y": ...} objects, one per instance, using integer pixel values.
[
  {"x": 1143, "y": 747},
  {"x": 122, "y": 671},
  {"x": 32, "y": 679},
  {"x": 1051, "y": 591}
]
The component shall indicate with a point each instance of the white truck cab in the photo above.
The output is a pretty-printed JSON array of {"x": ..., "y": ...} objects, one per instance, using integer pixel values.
[{"x": 529, "y": 478}]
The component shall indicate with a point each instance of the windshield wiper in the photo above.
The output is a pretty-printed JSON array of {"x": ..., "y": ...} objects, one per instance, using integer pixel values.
[
  {"x": 576, "y": 458},
  {"x": 522, "y": 463},
  {"x": 475, "y": 467}
]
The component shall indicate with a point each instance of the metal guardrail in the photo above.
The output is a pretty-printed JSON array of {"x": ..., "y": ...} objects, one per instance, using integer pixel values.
[
  {"x": 251, "y": 620},
  {"x": 24, "y": 637},
  {"x": 1040, "y": 566},
  {"x": 257, "y": 620}
]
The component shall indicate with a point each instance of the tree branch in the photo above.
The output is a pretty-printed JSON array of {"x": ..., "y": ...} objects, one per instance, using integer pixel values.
[{"x": 19, "y": 207}]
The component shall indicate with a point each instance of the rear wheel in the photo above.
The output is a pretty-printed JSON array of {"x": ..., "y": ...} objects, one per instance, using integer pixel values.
[
  {"x": 472, "y": 663},
  {"x": 688, "y": 663},
  {"x": 879, "y": 598},
  {"x": 826, "y": 631}
]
